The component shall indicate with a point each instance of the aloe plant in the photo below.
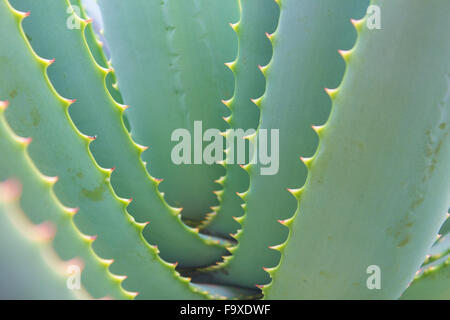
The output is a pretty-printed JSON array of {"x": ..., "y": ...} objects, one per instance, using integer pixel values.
[{"x": 356, "y": 208}]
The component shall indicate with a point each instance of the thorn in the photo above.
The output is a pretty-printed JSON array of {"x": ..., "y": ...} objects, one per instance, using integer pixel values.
[
  {"x": 10, "y": 190},
  {"x": 143, "y": 148},
  {"x": 275, "y": 247},
  {"x": 158, "y": 180},
  {"x": 241, "y": 194},
  {"x": 234, "y": 26},
  {"x": 295, "y": 192},
  {"x": 26, "y": 14},
  {"x": 112, "y": 169},
  {"x": 306, "y": 161},
  {"x": 121, "y": 278},
  {"x": 107, "y": 262},
  {"x": 231, "y": 65},
  {"x": 226, "y": 102},
  {"x": 25, "y": 141},
  {"x": 51, "y": 180},
  {"x": 72, "y": 101},
  {"x": 45, "y": 231},
  {"x": 124, "y": 107},
  {"x": 269, "y": 36},
  {"x": 92, "y": 138},
  {"x": 88, "y": 20},
  {"x": 331, "y": 92},
  {"x": 73, "y": 211},
  {"x": 345, "y": 54},
  {"x": 91, "y": 238},
  {"x": 357, "y": 23},
  {"x": 177, "y": 210},
  {"x": 50, "y": 62},
  {"x": 4, "y": 105},
  {"x": 257, "y": 101},
  {"x": 143, "y": 225},
  {"x": 259, "y": 286}
]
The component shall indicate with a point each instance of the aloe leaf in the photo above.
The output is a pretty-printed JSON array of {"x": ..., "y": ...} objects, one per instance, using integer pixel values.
[
  {"x": 258, "y": 17},
  {"x": 58, "y": 149},
  {"x": 28, "y": 267},
  {"x": 433, "y": 284},
  {"x": 171, "y": 74},
  {"x": 40, "y": 205},
  {"x": 378, "y": 189},
  {"x": 445, "y": 228},
  {"x": 96, "y": 48},
  {"x": 113, "y": 147},
  {"x": 305, "y": 60}
]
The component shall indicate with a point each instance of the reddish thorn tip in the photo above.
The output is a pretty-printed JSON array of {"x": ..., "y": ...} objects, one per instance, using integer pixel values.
[
  {"x": 4, "y": 105},
  {"x": 26, "y": 141},
  {"x": 74, "y": 210}
]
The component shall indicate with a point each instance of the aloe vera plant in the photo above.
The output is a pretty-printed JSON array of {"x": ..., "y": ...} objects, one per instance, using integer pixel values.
[{"x": 357, "y": 111}]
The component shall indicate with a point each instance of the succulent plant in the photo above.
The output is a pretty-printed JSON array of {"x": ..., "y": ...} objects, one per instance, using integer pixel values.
[{"x": 357, "y": 207}]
